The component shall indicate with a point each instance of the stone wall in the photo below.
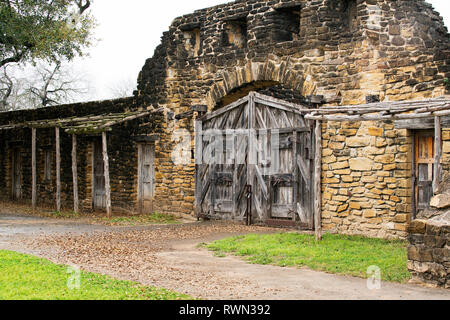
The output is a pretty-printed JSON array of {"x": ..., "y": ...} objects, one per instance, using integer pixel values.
[
  {"x": 366, "y": 172},
  {"x": 429, "y": 253}
]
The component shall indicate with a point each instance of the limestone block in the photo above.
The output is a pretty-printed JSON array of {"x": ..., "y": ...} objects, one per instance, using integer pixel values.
[{"x": 440, "y": 201}]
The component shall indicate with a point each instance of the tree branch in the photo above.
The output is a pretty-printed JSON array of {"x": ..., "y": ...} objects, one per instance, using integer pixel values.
[{"x": 83, "y": 7}]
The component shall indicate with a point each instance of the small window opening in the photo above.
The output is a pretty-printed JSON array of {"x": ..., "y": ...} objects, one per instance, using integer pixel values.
[
  {"x": 287, "y": 24},
  {"x": 191, "y": 40},
  {"x": 350, "y": 11},
  {"x": 235, "y": 33}
]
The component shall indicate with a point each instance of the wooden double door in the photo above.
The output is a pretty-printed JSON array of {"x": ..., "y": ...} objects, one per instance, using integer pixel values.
[{"x": 254, "y": 157}]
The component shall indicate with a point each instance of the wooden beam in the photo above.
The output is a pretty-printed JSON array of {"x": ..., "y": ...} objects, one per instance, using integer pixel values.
[
  {"x": 58, "y": 170},
  {"x": 437, "y": 156},
  {"x": 33, "y": 169},
  {"x": 318, "y": 181},
  {"x": 107, "y": 181},
  {"x": 75, "y": 174}
]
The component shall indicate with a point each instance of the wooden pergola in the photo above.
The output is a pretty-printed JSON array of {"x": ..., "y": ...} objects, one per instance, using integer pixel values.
[{"x": 88, "y": 125}]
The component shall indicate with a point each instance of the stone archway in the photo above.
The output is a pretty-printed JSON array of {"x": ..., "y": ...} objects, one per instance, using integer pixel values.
[{"x": 258, "y": 74}]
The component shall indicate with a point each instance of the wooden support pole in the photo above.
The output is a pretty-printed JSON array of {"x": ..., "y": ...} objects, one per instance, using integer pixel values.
[
  {"x": 107, "y": 181},
  {"x": 414, "y": 179},
  {"x": 318, "y": 181},
  {"x": 437, "y": 156},
  {"x": 33, "y": 169},
  {"x": 75, "y": 174},
  {"x": 58, "y": 170}
]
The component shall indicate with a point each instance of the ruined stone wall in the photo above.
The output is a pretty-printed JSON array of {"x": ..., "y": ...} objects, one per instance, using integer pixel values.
[
  {"x": 344, "y": 50},
  {"x": 429, "y": 253}
]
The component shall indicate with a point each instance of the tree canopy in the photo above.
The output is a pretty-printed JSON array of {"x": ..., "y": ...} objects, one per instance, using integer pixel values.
[{"x": 49, "y": 30}]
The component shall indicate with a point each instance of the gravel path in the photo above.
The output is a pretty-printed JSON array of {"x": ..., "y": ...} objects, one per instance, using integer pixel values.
[{"x": 168, "y": 257}]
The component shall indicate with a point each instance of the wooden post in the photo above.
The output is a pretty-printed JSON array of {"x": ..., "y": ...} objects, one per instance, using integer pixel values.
[
  {"x": 75, "y": 174},
  {"x": 33, "y": 169},
  {"x": 437, "y": 155},
  {"x": 318, "y": 181},
  {"x": 414, "y": 179},
  {"x": 107, "y": 181},
  {"x": 58, "y": 170}
]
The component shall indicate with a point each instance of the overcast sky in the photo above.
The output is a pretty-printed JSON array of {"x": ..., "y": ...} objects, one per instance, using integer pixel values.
[{"x": 129, "y": 32}]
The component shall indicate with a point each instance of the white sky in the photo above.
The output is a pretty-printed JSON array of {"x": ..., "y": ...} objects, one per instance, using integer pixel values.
[{"x": 129, "y": 32}]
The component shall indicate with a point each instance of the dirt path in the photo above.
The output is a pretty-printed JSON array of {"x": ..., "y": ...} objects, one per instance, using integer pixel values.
[{"x": 168, "y": 256}]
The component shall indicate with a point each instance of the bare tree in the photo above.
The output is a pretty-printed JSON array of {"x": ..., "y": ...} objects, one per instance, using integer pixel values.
[
  {"x": 6, "y": 89},
  {"x": 123, "y": 88},
  {"x": 54, "y": 84},
  {"x": 41, "y": 85}
]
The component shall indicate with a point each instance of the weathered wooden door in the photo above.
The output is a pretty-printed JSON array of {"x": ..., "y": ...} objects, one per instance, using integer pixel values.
[
  {"x": 16, "y": 174},
  {"x": 424, "y": 153},
  {"x": 146, "y": 177},
  {"x": 99, "y": 190},
  {"x": 257, "y": 147}
]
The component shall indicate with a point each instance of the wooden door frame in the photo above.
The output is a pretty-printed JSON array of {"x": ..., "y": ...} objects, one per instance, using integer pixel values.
[
  {"x": 140, "y": 184},
  {"x": 415, "y": 134}
]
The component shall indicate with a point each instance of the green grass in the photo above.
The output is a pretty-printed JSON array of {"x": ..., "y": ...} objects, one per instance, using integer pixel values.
[
  {"x": 347, "y": 255},
  {"x": 23, "y": 277},
  {"x": 155, "y": 218}
]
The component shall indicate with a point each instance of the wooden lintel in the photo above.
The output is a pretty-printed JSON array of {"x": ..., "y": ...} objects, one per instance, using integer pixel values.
[
  {"x": 421, "y": 124},
  {"x": 185, "y": 115},
  {"x": 314, "y": 99},
  {"x": 200, "y": 108},
  {"x": 150, "y": 138}
]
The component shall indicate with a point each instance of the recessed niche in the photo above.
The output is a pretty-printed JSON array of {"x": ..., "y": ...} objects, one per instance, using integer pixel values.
[
  {"x": 349, "y": 13},
  {"x": 235, "y": 33},
  {"x": 191, "y": 40},
  {"x": 286, "y": 24}
]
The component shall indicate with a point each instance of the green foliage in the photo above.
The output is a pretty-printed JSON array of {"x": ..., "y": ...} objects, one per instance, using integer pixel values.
[
  {"x": 447, "y": 83},
  {"x": 348, "y": 255},
  {"x": 43, "y": 29},
  {"x": 24, "y": 277}
]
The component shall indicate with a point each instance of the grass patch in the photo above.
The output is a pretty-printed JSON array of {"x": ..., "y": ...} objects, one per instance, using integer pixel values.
[
  {"x": 155, "y": 218},
  {"x": 25, "y": 277},
  {"x": 346, "y": 255}
]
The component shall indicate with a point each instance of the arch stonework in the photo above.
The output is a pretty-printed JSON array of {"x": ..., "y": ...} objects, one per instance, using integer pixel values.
[{"x": 280, "y": 72}]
